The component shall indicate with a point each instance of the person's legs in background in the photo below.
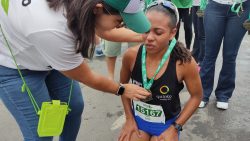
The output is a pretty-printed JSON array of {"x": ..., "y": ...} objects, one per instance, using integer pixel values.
[
  {"x": 196, "y": 47},
  {"x": 186, "y": 17},
  {"x": 179, "y": 23},
  {"x": 111, "y": 66},
  {"x": 214, "y": 24},
  {"x": 202, "y": 38},
  {"x": 98, "y": 47},
  {"x": 234, "y": 34},
  {"x": 111, "y": 51},
  {"x": 187, "y": 20},
  {"x": 59, "y": 88},
  {"x": 199, "y": 40}
]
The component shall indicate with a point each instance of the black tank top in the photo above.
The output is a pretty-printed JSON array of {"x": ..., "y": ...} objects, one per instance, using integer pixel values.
[{"x": 165, "y": 90}]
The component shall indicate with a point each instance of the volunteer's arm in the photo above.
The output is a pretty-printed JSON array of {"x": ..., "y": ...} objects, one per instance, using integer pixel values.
[
  {"x": 94, "y": 80},
  {"x": 121, "y": 35},
  {"x": 57, "y": 48}
]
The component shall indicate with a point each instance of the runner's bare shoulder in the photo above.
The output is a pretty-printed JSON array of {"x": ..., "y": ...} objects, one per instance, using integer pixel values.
[{"x": 130, "y": 55}]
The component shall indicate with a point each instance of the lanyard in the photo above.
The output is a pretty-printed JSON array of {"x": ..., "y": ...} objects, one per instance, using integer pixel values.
[
  {"x": 147, "y": 84},
  {"x": 237, "y": 9},
  {"x": 5, "y": 5},
  {"x": 25, "y": 86},
  {"x": 249, "y": 17}
]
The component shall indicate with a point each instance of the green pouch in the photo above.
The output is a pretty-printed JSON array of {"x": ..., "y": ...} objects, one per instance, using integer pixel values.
[{"x": 52, "y": 117}]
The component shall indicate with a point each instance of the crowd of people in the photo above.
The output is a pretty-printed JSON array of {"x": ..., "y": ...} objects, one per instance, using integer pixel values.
[{"x": 43, "y": 46}]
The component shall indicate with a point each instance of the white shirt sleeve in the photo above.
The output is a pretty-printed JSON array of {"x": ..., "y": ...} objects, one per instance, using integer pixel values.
[{"x": 57, "y": 48}]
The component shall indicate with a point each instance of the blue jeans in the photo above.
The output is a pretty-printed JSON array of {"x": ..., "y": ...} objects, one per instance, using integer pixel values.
[
  {"x": 199, "y": 40},
  {"x": 45, "y": 86},
  {"x": 221, "y": 25}
]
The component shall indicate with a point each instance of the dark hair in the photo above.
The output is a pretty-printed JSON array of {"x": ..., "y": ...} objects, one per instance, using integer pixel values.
[
  {"x": 179, "y": 53},
  {"x": 166, "y": 11},
  {"x": 81, "y": 21}
]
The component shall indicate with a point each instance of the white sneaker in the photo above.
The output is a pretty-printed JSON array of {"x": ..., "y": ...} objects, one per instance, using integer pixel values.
[
  {"x": 99, "y": 50},
  {"x": 222, "y": 105},
  {"x": 202, "y": 104}
]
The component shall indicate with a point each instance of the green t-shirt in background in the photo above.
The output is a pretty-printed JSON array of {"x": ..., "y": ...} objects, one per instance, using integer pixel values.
[
  {"x": 147, "y": 2},
  {"x": 183, "y": 3}
]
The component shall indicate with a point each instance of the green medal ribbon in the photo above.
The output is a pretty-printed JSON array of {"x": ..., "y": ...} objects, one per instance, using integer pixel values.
[
  {"x": 147, "y": 85},
  {"x": 237, "y": 9}
]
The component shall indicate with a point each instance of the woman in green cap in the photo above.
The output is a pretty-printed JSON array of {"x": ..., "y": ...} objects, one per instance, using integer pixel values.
[{"x": 48, "y": 40}]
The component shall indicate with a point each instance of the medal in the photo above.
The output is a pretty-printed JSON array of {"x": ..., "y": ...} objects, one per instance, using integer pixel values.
[
  {"x": 200, "y": 13},
  {"x": 246, "y": 25},
  {"x": 149, "y": 98}
]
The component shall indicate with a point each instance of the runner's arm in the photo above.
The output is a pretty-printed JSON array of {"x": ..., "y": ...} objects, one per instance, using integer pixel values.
[
  {"x": 192, "y": 80},
  {"x": 130, "y": 126},
  {"x": 125, "y": 74}
]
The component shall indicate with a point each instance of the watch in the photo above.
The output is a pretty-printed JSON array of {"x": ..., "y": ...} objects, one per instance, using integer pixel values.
[
  {"x": 120, "y": 90},
  {"x": 177, "y": 126}
]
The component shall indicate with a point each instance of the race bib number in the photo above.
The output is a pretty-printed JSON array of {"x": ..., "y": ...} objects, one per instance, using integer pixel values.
[{"x": 148, "y": 112}]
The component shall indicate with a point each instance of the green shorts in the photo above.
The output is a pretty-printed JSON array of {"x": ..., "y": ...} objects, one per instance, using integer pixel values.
[{"x": 113, "y": 49}]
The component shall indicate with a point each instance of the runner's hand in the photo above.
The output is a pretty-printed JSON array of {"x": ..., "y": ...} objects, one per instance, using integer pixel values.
[
  {"x": 128, "y": 129},
  {"x": 169, "y": 135},
  {"x": 135, "y": 92}
]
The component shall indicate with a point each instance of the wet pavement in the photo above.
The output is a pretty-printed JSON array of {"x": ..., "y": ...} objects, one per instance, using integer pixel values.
[{"x": 103, "y": 113}]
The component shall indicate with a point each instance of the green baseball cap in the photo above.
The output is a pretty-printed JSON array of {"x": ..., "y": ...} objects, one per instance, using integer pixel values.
[{"x": 132, "y": 14}]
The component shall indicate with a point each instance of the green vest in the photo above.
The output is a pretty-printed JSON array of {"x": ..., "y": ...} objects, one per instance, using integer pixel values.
[{"x": 183, "y": 3}]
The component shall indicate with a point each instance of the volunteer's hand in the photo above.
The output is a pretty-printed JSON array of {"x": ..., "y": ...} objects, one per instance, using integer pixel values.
[{"x": 135, "y": 92}]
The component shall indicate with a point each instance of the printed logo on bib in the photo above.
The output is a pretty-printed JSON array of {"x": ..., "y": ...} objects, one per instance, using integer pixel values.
[{"x": 148, "y": 112}]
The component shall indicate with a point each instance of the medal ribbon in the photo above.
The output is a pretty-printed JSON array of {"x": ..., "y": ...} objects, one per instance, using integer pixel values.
[{"x": 147, "y": 85}]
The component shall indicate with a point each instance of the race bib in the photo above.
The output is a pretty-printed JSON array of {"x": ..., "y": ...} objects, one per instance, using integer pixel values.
[{"x": 148, "y": 112}]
